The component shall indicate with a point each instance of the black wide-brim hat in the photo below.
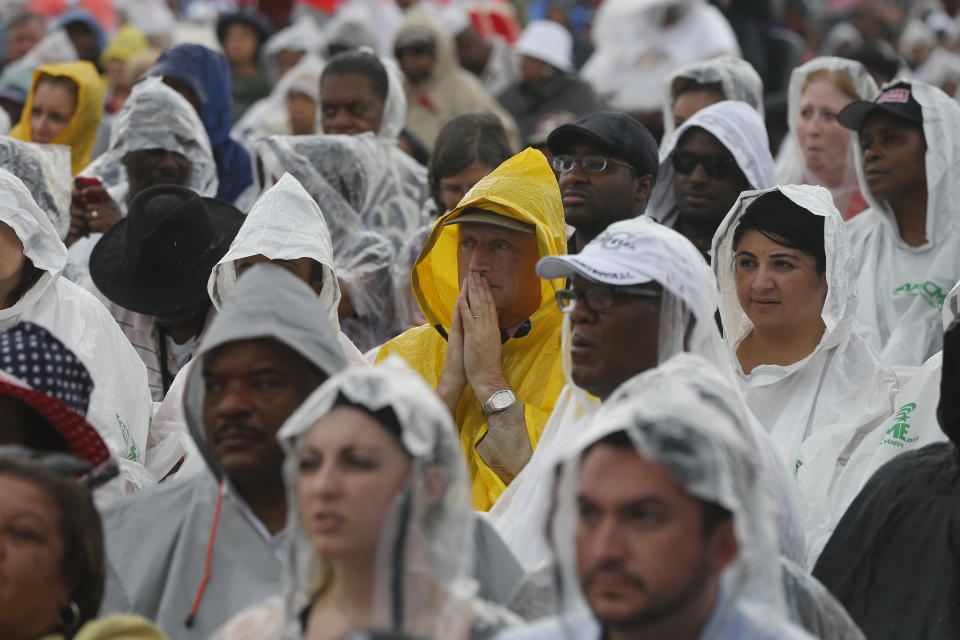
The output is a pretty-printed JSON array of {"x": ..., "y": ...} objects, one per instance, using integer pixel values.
[{"x": 157, "y": 260}]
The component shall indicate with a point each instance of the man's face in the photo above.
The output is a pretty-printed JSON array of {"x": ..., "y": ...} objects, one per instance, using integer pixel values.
[
  {"x": 642, "y": 555},
  {"x": 251, "y": 388},
  {"x": 349, "y": 105},
  {"x": 702, "y": 197},
  {"x": 416, "y": 61},
  {"x": 240, "y": 43},
  {"x": 303, "y": 268},
  {"x": 894, "y": 155},
  {"x": 23, "y": 38},
  {"x": 594, "y": 200},
  {"x": 151, "y": 167},
  {"x": 507, "y": 259},
  {"x": 84, "y": 40},
  {"x": 609, "y": 347}
]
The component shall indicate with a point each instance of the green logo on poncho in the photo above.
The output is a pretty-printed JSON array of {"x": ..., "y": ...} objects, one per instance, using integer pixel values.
[
  {"x": 901, "y": 427},
  {"x": 933, "y": 291}
]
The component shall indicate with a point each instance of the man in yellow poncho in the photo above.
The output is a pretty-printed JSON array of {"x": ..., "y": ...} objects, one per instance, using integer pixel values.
[{"x": 491, "y": 345}]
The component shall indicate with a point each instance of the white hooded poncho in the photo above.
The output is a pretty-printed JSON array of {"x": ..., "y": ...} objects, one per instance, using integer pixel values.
[
  {"x": 903, "y": 287},
  {"x": 120, "y": 404},
  {"x": 737, "y": 127},
  {"x": 817, "y": 409}
]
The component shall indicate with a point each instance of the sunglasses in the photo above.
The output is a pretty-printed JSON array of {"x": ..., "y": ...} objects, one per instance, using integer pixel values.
[
  {"x": 592, "y": 163},
  {"x": 717, "y": 167},
  {"x": 599, "y": 299}
]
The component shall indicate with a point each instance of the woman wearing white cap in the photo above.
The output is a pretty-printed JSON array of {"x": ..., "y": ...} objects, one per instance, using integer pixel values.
[
  {"x": 788, "y": 307},
  {"x": 548, "y": 82}
]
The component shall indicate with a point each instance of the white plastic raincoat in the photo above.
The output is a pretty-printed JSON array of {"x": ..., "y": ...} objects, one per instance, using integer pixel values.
[
  {"x": 120, "y": 404},
  {"x": 737, "y": 77},
  {"x": 421, "y": 584},
  {"x": 45, "y": 170},
  {"x": 791, "y": 166},
  {"x": 740, "y": 129},
  {"x": 903, "y": 287},
  {"x": 303, "y": 35},
  {"x": 817, "y": 409}
]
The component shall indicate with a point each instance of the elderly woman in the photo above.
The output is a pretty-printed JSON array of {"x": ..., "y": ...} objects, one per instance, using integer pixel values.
[
  {"x": 788, "y": 308},
  {"x": 380, "y": 514},
  {"x": 821, "y": 151}
]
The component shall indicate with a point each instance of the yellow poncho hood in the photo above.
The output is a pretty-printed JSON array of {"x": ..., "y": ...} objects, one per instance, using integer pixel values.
[
  {"x": 524, "y": 188},
  {"x": 81, "y": 133}
]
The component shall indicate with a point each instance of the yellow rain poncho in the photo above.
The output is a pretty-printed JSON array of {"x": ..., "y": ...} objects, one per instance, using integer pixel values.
[
  {"x": 523, "y": 188},
  {"x": 81, "y": 133}
]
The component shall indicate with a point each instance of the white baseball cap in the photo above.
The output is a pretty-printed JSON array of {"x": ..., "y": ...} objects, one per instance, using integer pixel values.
[{"x": 547, "y": 41}]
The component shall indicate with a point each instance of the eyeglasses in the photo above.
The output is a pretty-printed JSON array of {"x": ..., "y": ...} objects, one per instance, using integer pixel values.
[
  {"x": 600, "y": 299},
  {"x": 717, "y": 167},
  {"x": 592, "y": 163}
]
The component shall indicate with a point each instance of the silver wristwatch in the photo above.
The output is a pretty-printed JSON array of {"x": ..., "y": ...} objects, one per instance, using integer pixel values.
[{"x": 499, "y": 401}]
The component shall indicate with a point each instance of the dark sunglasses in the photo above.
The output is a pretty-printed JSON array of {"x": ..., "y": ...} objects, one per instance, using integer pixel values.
[{"x": 717, "y": 167}]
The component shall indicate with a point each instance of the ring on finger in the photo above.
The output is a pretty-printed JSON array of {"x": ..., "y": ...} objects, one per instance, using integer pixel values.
[{"x": 94, "y": 214}]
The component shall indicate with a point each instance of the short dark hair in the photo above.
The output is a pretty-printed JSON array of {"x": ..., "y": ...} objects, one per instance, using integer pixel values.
[
  {"x": 362, "y": 63},
  {"x": 471, "y": 138},
  {"x": 785, "y": 222},
  {"x": 79, "y": 527}
]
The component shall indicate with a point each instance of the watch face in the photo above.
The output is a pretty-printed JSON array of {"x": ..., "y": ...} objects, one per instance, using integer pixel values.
[{"x": 501, "y": 400}]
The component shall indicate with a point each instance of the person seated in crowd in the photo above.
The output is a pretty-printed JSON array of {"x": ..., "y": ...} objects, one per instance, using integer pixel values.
[
  {"x": 548, "y": 82},
  {"x": 242, "y": 35},
  {"x": 202, "y": 76},
  {"x": 86, "y": 35},
  {"x": 788, "y": 309},
  {"x": 606, "y": 164},
  {"x": 491, "y": 345},
  {"x": 718, "y": 152},
  {"x": 53, "y": 560},
  {"x": 412, "y": 501},
  {"x": 437, "y": 87},
  {"x": 262, "y": 355},
  {"x": 662, "y": 522},
  {"x": 156, "y": 139},
  {"x": 153, "y": 267},
  {"x": 32, "y": 259},
  {"x": 890, "y": 560},
  {"x": 820, "y": 150},
  {"x": 23, "y": 31},
  {"x": 639, "y": 294},
  {"x": 287, "y": 47},
  {"x": 126, "y": 43},
  {"x": 45, "y": 171},
  {"x": 292, "y": 108},
  {"x": 701, "y": 84},
  {"x": 64, "y": 106},
  {"x": 489, "y": 57},
  {"x": 904, "y": 245}
]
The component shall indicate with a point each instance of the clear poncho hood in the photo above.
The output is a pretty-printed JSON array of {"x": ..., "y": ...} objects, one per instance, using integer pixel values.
[
  {"x": 303, "y": 35},
  {"x": 267, "y": 302},
  {"x": 737, "y": 77},
  {"x": 156, "y": 117},
  {"x": 737, "y": 127},
  {"x": 285, "y": 223},
  {"x": 422, "y": 542},
  {"x": 45, "y": 170}
]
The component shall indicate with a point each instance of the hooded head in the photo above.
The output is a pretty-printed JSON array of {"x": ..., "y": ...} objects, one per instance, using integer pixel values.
[
  {"x": 839, "y": 307},
  {"x": 524, "y": 189},
  {"x": 739, "y": 129},
  {"x": 274, "y": 311},
  {"x": 45, "y": 170},
  {"x": 370, "y": 70},
  {"x": 421, "y": 29},
  {"x": 80, "y": 132}
]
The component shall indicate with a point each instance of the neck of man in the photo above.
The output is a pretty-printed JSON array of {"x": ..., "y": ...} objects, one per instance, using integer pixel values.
[
  {"x": 778, "y": 348},
  {"x": 244, "y": 69},
  {"x": 267, "y": 498},
  {"x": 910, "y": 212},
  {"x": 511, "y": 318},
  {"x": 585, "y": 234},
  {"x": 685, "y": 623},
  {"x": 699, "y": 232}
]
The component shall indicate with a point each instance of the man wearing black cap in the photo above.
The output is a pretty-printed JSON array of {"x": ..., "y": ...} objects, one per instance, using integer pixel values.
[
  {"x": 153, "y": 267},
  {"x": 606, "y": 164}
]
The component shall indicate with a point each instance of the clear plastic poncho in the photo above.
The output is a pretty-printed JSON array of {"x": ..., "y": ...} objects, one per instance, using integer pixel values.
[
  {"x": 791, "y": 166},
  {"x": 303, "y": 35},
  {"x": 738, "y": 128},
  {"x": 739, "y": 80},
  {"x": 819, "y": 408},
  {"x": 421, "y": 585},
  {"x": 45, "y": 170}
]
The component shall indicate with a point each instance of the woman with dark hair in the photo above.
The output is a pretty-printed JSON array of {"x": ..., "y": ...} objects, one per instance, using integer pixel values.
[
  {"x": 52, "y": 561},
  {"x": 788, "y": 307}
]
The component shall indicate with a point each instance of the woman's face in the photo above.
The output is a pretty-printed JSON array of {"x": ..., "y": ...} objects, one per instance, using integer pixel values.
[
  {"x": 53, "y": 107},
  {"x": 824, "y": 142},
  {"x": 11, "y": 257},
  {"x": 32, "y": 587},
  {"x": 453, "y": 188},
  {"x": 779, "y": 288},
  {"x": 349, "y": 471}
]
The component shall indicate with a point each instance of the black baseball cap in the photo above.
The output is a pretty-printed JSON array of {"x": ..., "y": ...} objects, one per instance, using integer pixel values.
[
  {"x": 896, "y": 100},
  {"x": 617, "y": 133}
]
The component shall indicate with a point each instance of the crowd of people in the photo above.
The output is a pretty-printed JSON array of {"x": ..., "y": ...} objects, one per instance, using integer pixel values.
[{"x": 431, "y": 320}]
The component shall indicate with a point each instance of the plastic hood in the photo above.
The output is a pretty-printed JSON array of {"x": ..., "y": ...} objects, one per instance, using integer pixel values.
[
  {"x": 268, "y": 302},
  {"x": 45, "y": 170},
  {"x": 395, "y": 105},
  {"x": 740, "y": 129},
  {"x": 303, "y": 35},
  {"x": 840, "y": 306},
  {"x": 523, "y": 187},
  {"x": 285, "y": 223},
  {"x": 420, "y": 18},
  {"x": 941, "y": 128}
]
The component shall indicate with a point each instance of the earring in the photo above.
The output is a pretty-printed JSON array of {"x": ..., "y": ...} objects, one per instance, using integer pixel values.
[{"x": 68, "y": 619}]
